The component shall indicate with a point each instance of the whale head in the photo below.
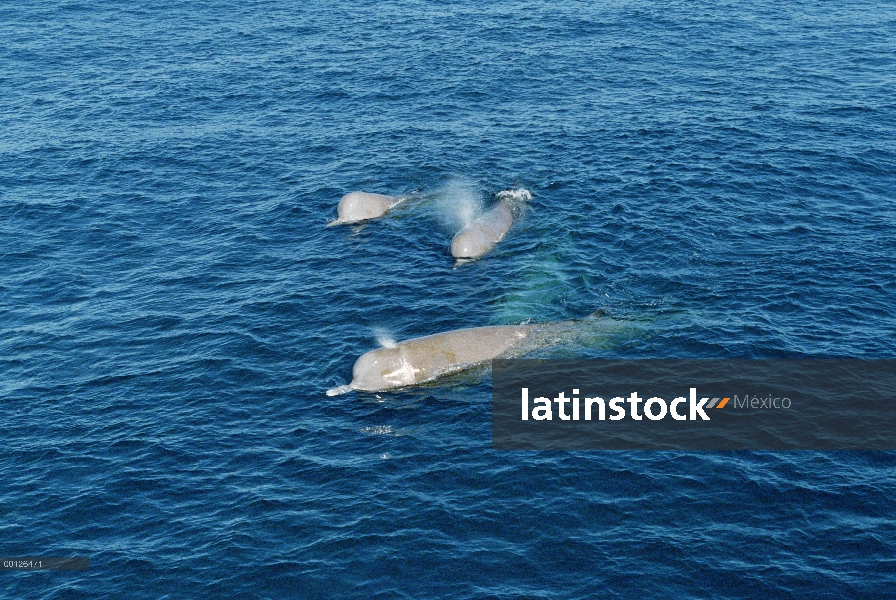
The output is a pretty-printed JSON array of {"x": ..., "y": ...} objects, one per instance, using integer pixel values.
[
  {"x": 470, "y": 243},
  {"x": 360, "y": 206},
  {"x": 481, "y": 235},
  {"x": 383, "y": 369}
]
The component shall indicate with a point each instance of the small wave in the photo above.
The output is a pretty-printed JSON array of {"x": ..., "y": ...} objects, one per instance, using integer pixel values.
[
  {"x": 515, "y": 195},
  {"x": 515, "y": 198},
  {"x": 338, "y": 391}
]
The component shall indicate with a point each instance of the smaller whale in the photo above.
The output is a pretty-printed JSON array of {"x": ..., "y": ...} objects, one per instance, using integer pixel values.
[
  {"x": 480, "y": 236},
  {"x": 361, "y": 206}
]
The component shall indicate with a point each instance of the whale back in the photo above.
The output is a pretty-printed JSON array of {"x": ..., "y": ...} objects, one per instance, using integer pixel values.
[
  {"x": 360, "y": 206},
  {"x": 426, "y": 358},
  {"x": 481, "y": 235}
]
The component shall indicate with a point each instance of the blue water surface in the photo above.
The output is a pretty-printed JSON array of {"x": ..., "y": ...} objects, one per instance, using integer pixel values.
[{"x": 718, "y": 177}]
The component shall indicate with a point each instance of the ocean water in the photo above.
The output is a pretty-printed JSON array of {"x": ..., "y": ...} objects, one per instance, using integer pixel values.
[{"x": 718, "y": 177}]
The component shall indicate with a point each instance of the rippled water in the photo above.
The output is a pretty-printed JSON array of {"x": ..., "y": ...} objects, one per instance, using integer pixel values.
[{"x": 719, "y": 178}]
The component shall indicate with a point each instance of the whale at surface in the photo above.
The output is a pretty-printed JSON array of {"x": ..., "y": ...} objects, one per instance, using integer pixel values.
[
  {"x": 480, "y": 236},
  {"x": 361, "y": 206},
  {"x": 423, "y": 359}
]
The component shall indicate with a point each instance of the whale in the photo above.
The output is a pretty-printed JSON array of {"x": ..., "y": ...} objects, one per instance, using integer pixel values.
[
  {"x": 362, "y": 206},
  {"x": 480, "y": 236},
  {"x": 423, "y": 359}
]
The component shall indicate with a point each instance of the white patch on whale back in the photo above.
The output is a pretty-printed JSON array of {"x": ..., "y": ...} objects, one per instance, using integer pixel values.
[
  {"x": 403, "y": 375},
  {"x": 338, "y": 391}
]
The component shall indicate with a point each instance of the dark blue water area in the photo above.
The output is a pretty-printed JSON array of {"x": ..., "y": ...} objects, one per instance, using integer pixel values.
[{"x": 718, "y": 178}]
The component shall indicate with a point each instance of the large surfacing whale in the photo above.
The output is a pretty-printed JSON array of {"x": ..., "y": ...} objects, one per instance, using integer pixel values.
[{"x": 423, "y": 359}]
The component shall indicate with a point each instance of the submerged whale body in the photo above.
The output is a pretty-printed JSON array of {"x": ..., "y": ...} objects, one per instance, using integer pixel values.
[
  {"x": 426, "y": 358},
  {"x": 361, "y": 206},
  {"x": 480, "y": 236}
]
